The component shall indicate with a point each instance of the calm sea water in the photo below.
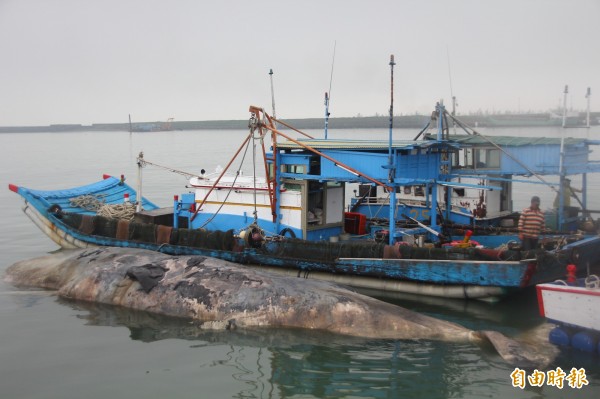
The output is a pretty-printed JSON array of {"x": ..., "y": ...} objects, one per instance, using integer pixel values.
[{"x": 52, "y": 348}]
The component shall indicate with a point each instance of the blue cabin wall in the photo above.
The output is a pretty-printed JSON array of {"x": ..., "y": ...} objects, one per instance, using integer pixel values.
[
  {"x": 368, "y": 163},
  {"x": 416, "y": 165},
  {"x": 295, "y": 159},
  {"x": 544, "y": 159},
  {"x": 541, "y": 159}
]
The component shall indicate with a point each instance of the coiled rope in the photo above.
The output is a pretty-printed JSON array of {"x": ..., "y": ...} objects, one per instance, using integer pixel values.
[
  {"x": 88, "y": 202},
  {"x": 97, "y": 203},
  {"x": 117, "y": 211}
]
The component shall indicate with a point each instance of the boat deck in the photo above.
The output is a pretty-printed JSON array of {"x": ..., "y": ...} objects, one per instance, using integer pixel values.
[{"x": 110, "y": 190}]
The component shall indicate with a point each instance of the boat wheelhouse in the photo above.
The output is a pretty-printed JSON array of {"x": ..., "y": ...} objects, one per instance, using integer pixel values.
[{"x": 306, "y": 194}]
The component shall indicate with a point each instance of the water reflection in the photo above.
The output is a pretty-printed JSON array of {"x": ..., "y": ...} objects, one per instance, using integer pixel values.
[
  {"x": 512, "y": 314},
  {"x": 300, "y": 363}
]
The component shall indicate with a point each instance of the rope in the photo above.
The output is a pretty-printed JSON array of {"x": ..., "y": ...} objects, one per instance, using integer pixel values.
[
  {"x": 97, "y": 203},
  {"x": 143, "y": 163},
  {"x": 88, "y": 202},
  {"x": 117, "y": 211},
  {"x": 232, "y": 188}
]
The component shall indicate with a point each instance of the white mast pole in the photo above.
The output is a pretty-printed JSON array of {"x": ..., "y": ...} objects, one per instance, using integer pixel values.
[
  {"x": 564, "y": 124},
  {"x": 588, "y": 95},
  {"x": 138, "y": 204}
]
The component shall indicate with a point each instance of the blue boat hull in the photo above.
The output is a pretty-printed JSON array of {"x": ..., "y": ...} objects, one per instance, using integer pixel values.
[{"x": 461, "y": 273}]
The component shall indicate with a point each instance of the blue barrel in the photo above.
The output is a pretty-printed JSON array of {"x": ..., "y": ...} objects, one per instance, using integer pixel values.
[
  {"x": 559, "y": 336},
  {"x": 584, "y": 341}
]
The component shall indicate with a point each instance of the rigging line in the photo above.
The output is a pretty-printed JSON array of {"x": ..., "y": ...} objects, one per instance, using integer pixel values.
[
  {"x": 181, "y": 172},
  {"x": 220, "y": 176},
  {"x": 382, "y": 204},
  {"x": 331, "y": 75},
  {"x": 291, "y": 127},
  {"x": 422, "y": 131},
  {"x": 451, "y": 89},
  {"x": 476, "y": 133},
  {"x": 449, "y": 72},
  {"x": 319, "y": 153},
  {"x": 230, "y": 189}
]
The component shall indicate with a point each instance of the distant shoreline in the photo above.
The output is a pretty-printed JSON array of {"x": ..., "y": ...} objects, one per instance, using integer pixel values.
[{"x": 374, "y": 122}]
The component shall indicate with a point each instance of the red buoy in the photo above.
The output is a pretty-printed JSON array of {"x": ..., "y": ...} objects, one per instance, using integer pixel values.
[{"x": 571, "y": 272}]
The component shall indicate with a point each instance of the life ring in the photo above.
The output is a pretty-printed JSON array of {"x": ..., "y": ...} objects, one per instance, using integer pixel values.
[
  {"x": 55, "y": 210},
  {"x": 287, "y": 230}
]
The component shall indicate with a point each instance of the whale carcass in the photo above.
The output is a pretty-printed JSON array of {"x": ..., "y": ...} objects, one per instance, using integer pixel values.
[{"x": 223, "y": 295}]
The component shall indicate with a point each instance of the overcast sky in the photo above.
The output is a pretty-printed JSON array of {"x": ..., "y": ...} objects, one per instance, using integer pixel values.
[{"x": 94, "y": 61}]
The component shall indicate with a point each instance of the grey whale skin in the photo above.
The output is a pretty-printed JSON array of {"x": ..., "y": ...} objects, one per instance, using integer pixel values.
[{"x": 224, "y": 295}]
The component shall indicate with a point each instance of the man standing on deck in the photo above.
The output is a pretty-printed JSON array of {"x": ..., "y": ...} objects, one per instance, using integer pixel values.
[
  {"x": 531, "y": 224},
  {"x": 567, "y": 193}
]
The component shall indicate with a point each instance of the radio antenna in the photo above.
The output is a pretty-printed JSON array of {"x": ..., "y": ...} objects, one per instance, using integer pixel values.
[
  {"x": 451, "y": 90},
  {"x": 328, "y": 94}
]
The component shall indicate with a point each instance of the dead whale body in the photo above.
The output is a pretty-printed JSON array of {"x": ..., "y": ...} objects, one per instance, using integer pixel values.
[{"x": 224, "y": 295}]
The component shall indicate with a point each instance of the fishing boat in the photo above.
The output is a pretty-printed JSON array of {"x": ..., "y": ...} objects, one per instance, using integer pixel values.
[
  {"x": 572, "y": 305},
  {"x": 295, "y": 219},
  {"x": 444, "y": 225}
]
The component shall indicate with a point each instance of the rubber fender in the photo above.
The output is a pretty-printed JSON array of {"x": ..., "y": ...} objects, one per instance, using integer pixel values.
[
  {"x": 287, "y": 230},
  {"x": 584, "y": 341},
  {"x": 559, "y": 336}
]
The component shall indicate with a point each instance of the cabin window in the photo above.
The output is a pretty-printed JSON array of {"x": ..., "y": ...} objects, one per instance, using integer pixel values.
[
  {"x": 315, "y": 167},
  {"x": 459, "y": 192},
  {"x": 487, "y": 158},
  {"x": 480, "y": 158},
  {"x": 315, "y": 203},
  {"x": 407, "y": 190},
  {"x": 468, "y": 158},
  {"x": 456, "y": 159},
  {"x": 367, "y": 190},
  {"x": 419, "y": 191},
  {"x": 292, "y": 186},
  {"x": 296, "y": 169}
]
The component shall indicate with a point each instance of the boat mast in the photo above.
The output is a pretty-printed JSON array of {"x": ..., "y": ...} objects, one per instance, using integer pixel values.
[
  {"x": 392, "y": 170},
  {"x": 326, "y": 114},
  {"x": 588, "y": 95},
  {"x": 272, "y": 94},
  {"x": 138, "y": 195},
  {"x": 451, "y": 91},
  {"x": 564, "y": 124},
  {"x": 561, "y": 172}
]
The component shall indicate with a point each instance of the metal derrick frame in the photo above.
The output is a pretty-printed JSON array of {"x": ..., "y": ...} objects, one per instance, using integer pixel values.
[{"x": 264, "y": 120}]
